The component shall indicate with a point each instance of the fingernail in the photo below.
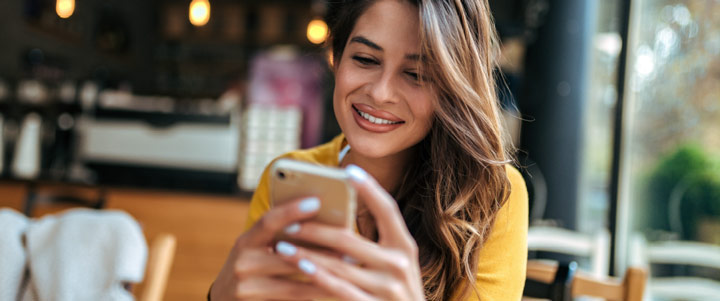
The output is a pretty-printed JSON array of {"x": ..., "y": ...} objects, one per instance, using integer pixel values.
[
  {"x": 306, "y": 266},
  {"x": 292, "y": 229},
  {"x": 349, "y": 259},
  {"x": 285, "y": 248},
  {"x": 356, "y": 173},
  {"x": 310, "y": 204}
]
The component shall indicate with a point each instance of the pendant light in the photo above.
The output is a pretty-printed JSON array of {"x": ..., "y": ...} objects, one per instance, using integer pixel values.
[
  {"x": 317, "y": 31},
  {"x": 65, "y": 8},
  {"x": 199, "y": 12}
]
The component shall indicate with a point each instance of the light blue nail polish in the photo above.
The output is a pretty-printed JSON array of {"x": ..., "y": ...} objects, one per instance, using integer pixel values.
[
  {"x": 356, "y": 173},
  {"x": 310, "y": 204},
  {"x": 292, "y": 229},
  {"x": 285, "y": 248},
  {"x": 306, "y": 266}
]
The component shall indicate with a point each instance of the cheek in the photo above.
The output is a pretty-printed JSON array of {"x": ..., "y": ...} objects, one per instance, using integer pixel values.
[
  {"x": 423, "y": 110},
  {"x": 343, "y": 84},
  {"x": 340, "y": 90}
]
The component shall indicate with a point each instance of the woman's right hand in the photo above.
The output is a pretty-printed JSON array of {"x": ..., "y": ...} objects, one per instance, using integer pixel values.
[{"x": 251, "y": 270}]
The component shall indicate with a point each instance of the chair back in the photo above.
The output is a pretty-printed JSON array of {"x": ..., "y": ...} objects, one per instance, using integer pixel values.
[
  {"x": 563, "y": 241},
  {"x": 675, "y": 252},
  {"x": 161, "y": 253},
  {"x": 630, "y": 288},
  {"x": 161, "y": 250}
]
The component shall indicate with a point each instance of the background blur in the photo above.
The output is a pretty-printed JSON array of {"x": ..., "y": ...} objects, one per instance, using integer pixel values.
[{"x": 170, "y": 110}]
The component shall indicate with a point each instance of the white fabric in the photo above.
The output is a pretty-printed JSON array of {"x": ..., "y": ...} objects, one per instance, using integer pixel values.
[
  {"x": 84, "y": 254},
  {"x": 12, "y": 252}
]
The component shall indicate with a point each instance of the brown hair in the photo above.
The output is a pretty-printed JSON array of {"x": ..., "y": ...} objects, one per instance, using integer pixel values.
[{"x": 449, "y": 201}]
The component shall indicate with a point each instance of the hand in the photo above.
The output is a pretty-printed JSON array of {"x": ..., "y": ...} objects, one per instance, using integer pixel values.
[
  {"x": 386, "y": 270},
  {"x": 251, "y": 270}
]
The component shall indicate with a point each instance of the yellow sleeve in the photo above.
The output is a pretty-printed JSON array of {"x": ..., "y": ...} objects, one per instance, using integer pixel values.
[
  {"x": 503, "y": 258},
  {"x": 260, "y": 202}
]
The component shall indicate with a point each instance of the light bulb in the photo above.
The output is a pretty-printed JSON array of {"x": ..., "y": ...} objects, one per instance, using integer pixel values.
[
  {"x": 317, "y": 31},
  {"x": 65, "y": 8},
  {"x": 199, "y": 12}
]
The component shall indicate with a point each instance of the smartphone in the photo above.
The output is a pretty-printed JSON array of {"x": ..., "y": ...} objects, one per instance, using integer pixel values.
[{"x": 291, "y": 180}]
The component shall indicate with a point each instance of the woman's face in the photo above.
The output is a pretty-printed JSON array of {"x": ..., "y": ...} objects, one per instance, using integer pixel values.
[{"x": 380, "y": 101}]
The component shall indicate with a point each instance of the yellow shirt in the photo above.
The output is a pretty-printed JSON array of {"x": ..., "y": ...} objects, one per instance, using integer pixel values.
[{"x": 503, "y": 258}]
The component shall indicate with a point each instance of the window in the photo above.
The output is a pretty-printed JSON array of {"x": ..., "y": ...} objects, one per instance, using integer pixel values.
[{"x": 670, "y": 158}]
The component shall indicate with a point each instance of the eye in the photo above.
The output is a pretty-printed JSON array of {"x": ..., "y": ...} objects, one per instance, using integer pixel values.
[
  {"x": 413, "y": 75},
  {"x": 365, "y": 60}
]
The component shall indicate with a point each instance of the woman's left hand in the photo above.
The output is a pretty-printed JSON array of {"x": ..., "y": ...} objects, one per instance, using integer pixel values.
[{"x": 386, "y": 270}]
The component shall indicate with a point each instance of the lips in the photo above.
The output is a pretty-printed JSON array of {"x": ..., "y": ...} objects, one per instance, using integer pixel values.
[
  {"x": 374, "y": 120},
  {"x": 376, "y": 113}
]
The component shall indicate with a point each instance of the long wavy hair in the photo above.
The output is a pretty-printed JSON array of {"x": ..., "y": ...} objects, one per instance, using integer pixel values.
[{"x": 450, "y": 200}]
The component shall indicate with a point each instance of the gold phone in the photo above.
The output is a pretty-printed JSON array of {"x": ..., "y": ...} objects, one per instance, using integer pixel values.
[{"x": 292, "y": 180}]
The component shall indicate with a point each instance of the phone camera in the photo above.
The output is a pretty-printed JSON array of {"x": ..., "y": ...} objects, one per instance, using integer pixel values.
[{"x": 281, "y": 175}]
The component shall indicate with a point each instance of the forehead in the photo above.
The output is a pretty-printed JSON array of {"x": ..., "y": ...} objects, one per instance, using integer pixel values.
[{"x": 392, "y": 24}]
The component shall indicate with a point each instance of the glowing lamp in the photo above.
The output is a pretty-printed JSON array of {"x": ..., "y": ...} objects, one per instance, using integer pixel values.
[
  {"x": 65, "y": 8},
  {"x": 199, "y": 12},
  {"x": 317, "y": 31}
]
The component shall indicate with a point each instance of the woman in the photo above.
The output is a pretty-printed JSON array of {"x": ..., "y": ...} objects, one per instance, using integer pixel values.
[{"x": 442, "y": 216}]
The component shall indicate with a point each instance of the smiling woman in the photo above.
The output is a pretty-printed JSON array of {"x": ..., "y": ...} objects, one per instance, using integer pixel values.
[
  {"x": 441, "y": 214},
  {"x": 377, "y": 77}
]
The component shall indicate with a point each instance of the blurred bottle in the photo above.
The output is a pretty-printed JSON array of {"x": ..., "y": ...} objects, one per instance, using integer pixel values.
[
  {"x": 26, "y": 164},
  {"x": 88, "y": 96},
  {"x": 32, "y": 92}
]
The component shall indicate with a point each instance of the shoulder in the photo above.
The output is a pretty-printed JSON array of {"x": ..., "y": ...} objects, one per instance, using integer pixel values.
[
  {"x": 516, "y": 206},
  {"x": 515, "y": 177}
]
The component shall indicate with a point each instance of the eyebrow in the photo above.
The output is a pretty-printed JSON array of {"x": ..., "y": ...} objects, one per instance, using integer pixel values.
[{"x": 373, "y": 45}]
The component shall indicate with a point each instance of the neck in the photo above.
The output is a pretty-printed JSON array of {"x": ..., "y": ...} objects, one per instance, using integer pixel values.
[{"x": 388, "y": 171}]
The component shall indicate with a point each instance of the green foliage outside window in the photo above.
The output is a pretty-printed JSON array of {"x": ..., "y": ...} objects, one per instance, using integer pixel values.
[{"x": 683, "y": 189}]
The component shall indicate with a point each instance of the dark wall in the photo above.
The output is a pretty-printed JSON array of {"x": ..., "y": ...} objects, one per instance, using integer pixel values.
[
  {"x": 79, "y": 47},
  {"x": 554, "y": 99}
]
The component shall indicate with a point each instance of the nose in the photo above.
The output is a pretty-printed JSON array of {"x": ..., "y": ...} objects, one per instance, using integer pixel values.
[{"x": 382, "y": 90}]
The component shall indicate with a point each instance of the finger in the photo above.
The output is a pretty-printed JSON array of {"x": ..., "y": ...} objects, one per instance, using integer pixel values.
[
  {"x": 342, "y": 241},
  {"x": 338, "y": 287},
  {"x": 391, "y": 225},
  {"x": 396, "y": 261},
  {"x": 375, "y": 282},
  {"x": 261, "y": 262},
  {"x": 321, "y": 277},
  {"x": 264, "y": 230},
  {"x": 268, "y": 288}
]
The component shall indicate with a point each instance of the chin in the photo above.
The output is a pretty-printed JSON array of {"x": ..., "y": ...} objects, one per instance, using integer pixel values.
[
  {"x": 369, "y": 150},
  {"x": 376, "y": 146}
]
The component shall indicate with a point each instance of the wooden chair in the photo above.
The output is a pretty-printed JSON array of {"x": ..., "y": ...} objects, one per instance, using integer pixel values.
[
  {"x": 563, "y": 241},
  {"x": 630, "y": 288},
  {"x": 677, "y": 253},
  {"x": 161, "y": 250},
  {"x": 160, "y": 258}
]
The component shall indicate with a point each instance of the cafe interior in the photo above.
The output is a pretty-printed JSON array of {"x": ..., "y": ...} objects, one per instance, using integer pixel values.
[{"x": 166, "y": 113}]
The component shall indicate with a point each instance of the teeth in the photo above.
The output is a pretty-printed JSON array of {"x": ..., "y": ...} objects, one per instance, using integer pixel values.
[{"x": 374, "y": 119}]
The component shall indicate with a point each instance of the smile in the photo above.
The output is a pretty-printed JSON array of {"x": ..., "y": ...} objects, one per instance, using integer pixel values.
[
  {"x": 373, "y": 119},
  {"x": 366, "y": 117}
]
